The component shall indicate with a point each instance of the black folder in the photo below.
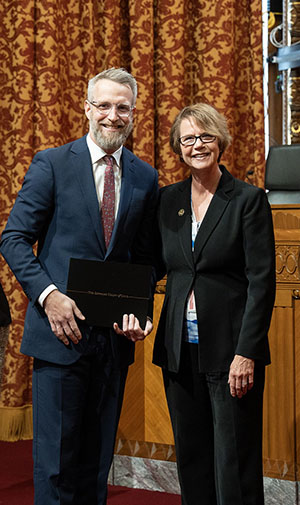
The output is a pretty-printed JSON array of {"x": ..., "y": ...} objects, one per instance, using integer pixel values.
[{"x": 105, "y": 290}]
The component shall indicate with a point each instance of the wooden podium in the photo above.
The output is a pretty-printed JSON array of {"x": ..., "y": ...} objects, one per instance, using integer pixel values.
[
  {"x": 145, "y": 429},
  {"x": 281, "y": 440}
]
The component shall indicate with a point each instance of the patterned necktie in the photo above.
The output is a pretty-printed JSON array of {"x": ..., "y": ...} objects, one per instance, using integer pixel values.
[{"x": 108, "y": 200}]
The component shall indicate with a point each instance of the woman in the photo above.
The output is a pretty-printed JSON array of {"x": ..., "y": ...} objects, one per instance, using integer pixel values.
[{"x": 216, "y": 246}]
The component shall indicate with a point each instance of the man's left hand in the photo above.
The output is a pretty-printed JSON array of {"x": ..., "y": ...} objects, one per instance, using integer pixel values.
[{"x": 131, "y": 328}]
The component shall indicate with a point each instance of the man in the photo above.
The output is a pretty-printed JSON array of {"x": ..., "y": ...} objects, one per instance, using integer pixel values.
[{"x": 79, "y": 371}]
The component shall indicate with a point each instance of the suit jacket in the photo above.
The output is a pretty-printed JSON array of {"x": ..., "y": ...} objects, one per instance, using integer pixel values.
[
  {"x": 58, "y": 207},
  {"x": 232, "y": 272},
  {"x": 5, "y": 319}
]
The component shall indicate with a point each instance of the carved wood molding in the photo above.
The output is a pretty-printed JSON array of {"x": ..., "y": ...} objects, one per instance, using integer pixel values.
[
  {"x": 279, "y": 469},
  {"x": 286, "y": 220},
  {"x": 142, "y": 449},
  {"x": 287, "y": 262},
  {"x": 161, "y": 286}
]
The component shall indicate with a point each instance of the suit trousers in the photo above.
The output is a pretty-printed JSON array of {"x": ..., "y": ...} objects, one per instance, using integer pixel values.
[
  {"x": 218, "y": 438},
  {"x": 76, "y": 410}
]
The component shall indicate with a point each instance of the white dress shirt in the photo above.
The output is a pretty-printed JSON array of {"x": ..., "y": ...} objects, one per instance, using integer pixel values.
[{"x": 99, "y": 165}]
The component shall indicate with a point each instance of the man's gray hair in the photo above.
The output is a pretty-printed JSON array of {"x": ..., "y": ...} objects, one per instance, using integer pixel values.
[{"x": 119, "y": 75}]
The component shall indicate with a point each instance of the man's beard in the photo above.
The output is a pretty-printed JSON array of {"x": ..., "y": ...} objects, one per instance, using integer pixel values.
[{"x": 112, "y": 140}]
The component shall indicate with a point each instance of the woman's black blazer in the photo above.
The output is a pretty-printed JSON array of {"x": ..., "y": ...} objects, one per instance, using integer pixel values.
[{"x": 232, "y": 272}]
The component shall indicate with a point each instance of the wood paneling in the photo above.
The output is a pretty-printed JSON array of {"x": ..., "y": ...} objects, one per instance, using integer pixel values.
[
  {"x": 297, "y": 389},
  {"x": 145, "y": 428},
  {"x": 279, "y": 409},
  {"x": 281, "y": 446}
]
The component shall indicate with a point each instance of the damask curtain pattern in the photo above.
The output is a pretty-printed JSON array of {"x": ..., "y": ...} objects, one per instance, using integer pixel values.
[
  {"x": 179, "y": 52},
  {"x": 212, "y": 52}
]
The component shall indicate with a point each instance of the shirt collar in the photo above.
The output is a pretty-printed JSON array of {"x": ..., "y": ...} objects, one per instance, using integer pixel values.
[{"x": 97, "y": 153}]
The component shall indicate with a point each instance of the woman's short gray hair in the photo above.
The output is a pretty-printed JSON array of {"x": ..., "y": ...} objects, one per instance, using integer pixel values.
[
  {"x": 119, "y": 75},
  {"x": 205, "y": 116}
]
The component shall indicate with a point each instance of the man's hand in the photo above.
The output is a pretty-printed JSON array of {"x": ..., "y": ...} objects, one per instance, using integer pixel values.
[
  {"x": 241, "y": 376},
  {"x": 131, "y": 328},
  {"x": 60, "y": 310}
]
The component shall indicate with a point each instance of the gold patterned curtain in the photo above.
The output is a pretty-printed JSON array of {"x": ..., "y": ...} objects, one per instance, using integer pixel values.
[{"x": 179, "y": 52}]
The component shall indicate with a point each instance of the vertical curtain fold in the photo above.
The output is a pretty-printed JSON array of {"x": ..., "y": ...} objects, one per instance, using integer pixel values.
[
  {"x": 179, "y": 52},
  {"x": 141, "y": 58},
  {"x": 16, "y": 149},
  {"x": 170, "y": 78}
]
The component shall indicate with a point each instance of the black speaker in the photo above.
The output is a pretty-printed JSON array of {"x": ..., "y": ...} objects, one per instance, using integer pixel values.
[{"x": 282, "y": 174}]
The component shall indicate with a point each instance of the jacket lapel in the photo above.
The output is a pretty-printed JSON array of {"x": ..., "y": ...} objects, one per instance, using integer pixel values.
[
  {"x": 84, "y": 173},
  {"x": 215, "y": 211},
  {"x": 127, "y": 185},
  {"x": 183, "y": 219}
]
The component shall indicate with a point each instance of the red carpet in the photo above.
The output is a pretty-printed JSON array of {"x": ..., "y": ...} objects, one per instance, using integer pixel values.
[{"x": 16, "y": 487}]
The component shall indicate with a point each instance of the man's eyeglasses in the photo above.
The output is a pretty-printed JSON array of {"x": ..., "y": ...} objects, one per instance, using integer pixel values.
[
  {"x": 190, "y": 140},
  {"x": 123, "y": 109}
]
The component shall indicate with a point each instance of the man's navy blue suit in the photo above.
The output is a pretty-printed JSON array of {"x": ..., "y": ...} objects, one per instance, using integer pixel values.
[{"x": 58, "y": 208}]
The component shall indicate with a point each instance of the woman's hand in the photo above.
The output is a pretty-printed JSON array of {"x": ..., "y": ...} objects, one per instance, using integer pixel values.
[
  {"x": 131, "y": 328},
  {"x": 241, "y": 376}
]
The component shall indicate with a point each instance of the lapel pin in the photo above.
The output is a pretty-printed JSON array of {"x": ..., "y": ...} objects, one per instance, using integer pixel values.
[{"x": 180, "y": 212}]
